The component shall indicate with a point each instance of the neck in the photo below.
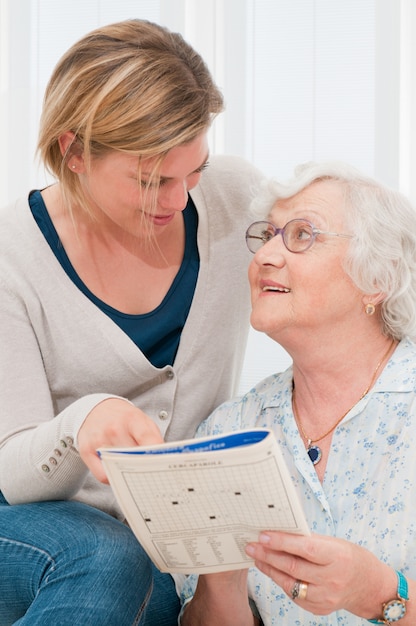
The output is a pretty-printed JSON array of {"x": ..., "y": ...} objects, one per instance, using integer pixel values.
[
  {"x": 318, "y": 419},
  {"x": 327, "y": 366}
]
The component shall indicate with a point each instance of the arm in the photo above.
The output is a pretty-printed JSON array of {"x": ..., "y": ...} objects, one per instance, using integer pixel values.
[
  {"x": 220, "y": 599},
  {"x": 48, "y": 377},
  {"x": 339, "y": 574}
]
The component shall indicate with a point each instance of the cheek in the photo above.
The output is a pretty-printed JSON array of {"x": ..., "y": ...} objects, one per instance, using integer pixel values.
[
  {"x": 251, "y": 271},
  {"x": 193, "y": 180},
  {"x": 114, "y": 198},
  {"x": 252, "y": 276},
  {"x": 124, "y": 192},
  {"x": 326, "y": 287}
]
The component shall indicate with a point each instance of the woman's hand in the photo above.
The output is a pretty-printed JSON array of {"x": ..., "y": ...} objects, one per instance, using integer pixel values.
[
  {"x": 220, "y": 599},
  {"x": 338, "y": 573},
  {"x": 114, "y": 422}
]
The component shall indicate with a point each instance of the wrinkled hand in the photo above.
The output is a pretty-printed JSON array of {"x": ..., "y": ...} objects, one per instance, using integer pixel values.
[
  {"x": 339, "y": 574},
  {"x": 114, "y": 422},
  {"x": 220, "y": 599}
]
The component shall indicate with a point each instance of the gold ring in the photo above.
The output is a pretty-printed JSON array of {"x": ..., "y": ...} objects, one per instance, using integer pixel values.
[
  {"x": 300, "y": 589},
  {"x": 303, "y": 590}
]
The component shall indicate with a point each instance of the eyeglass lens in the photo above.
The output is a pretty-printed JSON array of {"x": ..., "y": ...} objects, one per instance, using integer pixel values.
[{"x": 298, "y": 235}]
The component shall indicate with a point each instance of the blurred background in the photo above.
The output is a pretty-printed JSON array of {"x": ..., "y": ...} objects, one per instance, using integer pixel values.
[{"x": 302, "y": 79}]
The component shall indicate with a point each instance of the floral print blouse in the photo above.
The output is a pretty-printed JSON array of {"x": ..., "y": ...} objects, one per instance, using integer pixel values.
[{"x": 368, "y": 495}]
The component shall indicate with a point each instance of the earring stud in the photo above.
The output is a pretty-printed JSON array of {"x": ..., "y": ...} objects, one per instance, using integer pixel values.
[{"x": 369, "y": 308}]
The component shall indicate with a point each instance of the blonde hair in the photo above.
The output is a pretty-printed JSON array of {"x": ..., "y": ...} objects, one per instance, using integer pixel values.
[{"x": 132, "y": 86}]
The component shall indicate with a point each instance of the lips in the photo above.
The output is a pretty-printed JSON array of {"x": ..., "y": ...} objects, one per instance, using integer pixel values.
[
  {"x": 161, "y": 220},
  {"x": 276, "y": 289},
  {"x": 273, "y": 287}
]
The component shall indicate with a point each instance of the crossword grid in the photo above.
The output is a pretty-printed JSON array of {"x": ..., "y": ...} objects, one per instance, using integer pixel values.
[{"x": 210, "y": 498}]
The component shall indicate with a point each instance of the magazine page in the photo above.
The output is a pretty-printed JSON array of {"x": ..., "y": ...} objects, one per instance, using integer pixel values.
[{"x": 194, "y": 505}]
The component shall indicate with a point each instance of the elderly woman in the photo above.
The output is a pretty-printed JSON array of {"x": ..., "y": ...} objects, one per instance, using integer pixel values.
[{"x": 333, "y": 280}]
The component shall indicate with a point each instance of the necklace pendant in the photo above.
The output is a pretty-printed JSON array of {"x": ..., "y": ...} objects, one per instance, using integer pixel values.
[{"x": 314, "y": 453}]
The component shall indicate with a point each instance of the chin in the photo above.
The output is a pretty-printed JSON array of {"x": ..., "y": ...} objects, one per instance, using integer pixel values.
[{"x": 261, "y": 324}]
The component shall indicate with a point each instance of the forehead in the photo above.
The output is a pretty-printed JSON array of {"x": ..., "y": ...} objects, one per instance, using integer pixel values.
[
  {"x": 182, "y": 160},
  {"x": 179, "y": 161},
  {"x": 324, "y": 198}
]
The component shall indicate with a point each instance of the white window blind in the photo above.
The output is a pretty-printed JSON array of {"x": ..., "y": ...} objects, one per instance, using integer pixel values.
[{"x": 313, "y": 82}]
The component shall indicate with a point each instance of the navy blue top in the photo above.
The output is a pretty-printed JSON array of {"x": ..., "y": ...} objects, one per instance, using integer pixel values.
[{"x": 157, "y": 333}]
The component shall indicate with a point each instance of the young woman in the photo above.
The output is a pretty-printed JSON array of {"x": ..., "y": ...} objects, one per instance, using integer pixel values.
[{"x": 123, "y": 316}]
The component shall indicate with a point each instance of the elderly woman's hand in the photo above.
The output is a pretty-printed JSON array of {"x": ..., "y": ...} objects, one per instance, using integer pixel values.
[
  {"x": 338, "y": 574},
  {"x": 220, "y": 599}
]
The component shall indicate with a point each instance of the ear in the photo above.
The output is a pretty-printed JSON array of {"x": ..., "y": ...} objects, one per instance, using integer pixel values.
[{"x": 72, "y": 152}]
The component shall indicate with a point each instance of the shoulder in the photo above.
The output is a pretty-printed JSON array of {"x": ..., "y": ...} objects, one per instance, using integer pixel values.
[
  {"x": 247, "y": 411},
  {"x": 15, "y": 220},
  {"x": 400, "y": 372},
  {"x": 232, "y": 164},
  {"x": 396, "y": 385},
  {"x": 22, "y": 244},
  {"x": 11, "y": 210},
  {"x": 226, "y": 174},
  {"x": 227, "y": 186},
  {"x": 232, "y": 170},
  {"x": 404, "y": 357}
]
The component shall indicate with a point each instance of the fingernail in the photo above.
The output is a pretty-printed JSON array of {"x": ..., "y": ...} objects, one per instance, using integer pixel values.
[
  {"x": 263, "y": 538},
  {"x": 250, "y": 550}
]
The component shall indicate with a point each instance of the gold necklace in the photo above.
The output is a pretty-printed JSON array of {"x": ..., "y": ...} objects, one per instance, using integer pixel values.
[{"x": 315, "y": 452}]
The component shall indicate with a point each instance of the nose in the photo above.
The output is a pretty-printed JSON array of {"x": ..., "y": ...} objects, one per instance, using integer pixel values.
[
  {"x": 174, "y": 196},
  {"x": 271, "y": 253}
]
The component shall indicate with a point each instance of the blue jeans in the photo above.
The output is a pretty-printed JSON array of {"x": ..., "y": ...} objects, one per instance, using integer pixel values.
[{"x": 68, "y": 564}]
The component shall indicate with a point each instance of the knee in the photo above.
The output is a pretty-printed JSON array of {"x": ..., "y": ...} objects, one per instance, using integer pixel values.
[
  {"x": 109, "y": 545},
  {"x": 85, "y": 542}
]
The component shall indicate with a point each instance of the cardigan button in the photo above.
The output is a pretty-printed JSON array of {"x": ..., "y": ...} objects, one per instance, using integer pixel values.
[{"x": 163, "y": 415}]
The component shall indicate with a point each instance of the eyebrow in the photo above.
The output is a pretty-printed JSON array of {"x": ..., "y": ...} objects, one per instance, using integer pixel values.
[{"x": 200, "y": 167}]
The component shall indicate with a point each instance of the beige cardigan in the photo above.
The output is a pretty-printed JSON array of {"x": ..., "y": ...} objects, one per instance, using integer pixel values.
[{"x": 60, "y": 355}]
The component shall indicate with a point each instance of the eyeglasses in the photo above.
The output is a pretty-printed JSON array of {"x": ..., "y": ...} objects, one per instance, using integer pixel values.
[{"x": 297, "y": 235}]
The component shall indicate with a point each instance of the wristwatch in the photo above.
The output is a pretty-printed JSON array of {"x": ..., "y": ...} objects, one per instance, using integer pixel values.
[{"x": 395, "y": 609}]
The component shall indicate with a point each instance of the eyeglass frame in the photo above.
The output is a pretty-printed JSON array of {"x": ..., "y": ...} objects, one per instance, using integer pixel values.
[{"x": 281, "y": 231}]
